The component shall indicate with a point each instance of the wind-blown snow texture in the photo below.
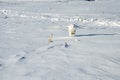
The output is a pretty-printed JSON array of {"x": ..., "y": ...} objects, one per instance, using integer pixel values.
[{"x": 26, "y": 53}]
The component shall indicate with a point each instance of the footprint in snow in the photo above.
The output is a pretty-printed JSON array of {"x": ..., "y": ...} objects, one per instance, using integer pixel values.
[
  {"x": 1, "y": 66},
  {"x": 22, "y": 59}
]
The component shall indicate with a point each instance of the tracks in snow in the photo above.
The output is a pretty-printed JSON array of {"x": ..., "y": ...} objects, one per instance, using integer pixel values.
[{"x": 60, "y": 18}]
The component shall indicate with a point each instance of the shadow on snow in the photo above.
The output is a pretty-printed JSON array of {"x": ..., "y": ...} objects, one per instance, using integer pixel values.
[{"x": 94, "y": 35}]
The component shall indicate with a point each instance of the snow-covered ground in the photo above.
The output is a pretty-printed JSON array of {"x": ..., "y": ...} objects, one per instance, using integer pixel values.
[{"x": 27, "y": 54}]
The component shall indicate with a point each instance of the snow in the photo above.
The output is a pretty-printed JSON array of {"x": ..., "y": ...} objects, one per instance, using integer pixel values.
[{"x": 27, "y": 54}]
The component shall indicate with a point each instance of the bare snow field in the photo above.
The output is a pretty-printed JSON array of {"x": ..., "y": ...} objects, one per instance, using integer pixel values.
[{"x": 27, "y": 53}]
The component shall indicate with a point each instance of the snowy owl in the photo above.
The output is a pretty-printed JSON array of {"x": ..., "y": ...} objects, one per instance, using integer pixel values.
[{"x": 72, "y": 30}]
